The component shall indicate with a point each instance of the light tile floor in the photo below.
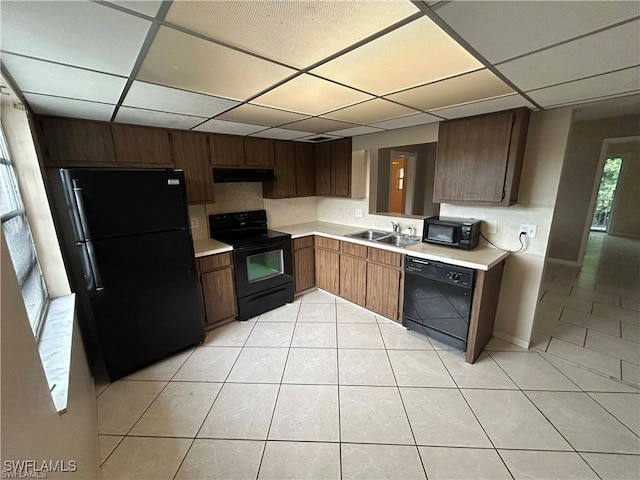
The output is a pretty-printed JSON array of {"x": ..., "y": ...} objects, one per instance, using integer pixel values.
[
  {"x": 332, "y": 391},
  {"x": 590, "y": 316}
]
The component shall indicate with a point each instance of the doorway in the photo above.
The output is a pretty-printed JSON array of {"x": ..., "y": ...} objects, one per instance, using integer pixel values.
[
  {"x": 398, "y": 183},
  {"x": 606, "y": 194}
]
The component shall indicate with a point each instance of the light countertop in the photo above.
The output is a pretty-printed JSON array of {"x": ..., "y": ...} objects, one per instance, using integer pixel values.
[{"x": 480, "y": 258}]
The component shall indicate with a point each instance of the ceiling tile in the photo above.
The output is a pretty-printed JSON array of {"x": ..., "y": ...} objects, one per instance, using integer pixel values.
[
  {"x": 408, "y": 121},
  {"x": 148, "y": 7},
  {"x": 270, "y": 117},
  {"x": 69, "y": 107},
  {"x": 156, "y": 97},
  {"x": 527, "y": 26},
  {"x": 624, "y": 81},
  {"x": 370, "y": 111},
  {"x": 281, "y": 134},
  {"x": 606, "y": 51},
  {"x": 152, "y": 118},
  {"x": 626, "y": 105},
  {"x": 318, "y": 125},
  {"x": 352, "y": 132},
  {"x": 467, "y": 88},
  {"x": 84, "y": 34},
  {"x": 412, "y": 55},
  {"x": 231, "y": 128},
  {"x": 295, "y": 33},
  {"x": 310, "y": 95},
  {"x": 484, "y": 106},
  {"x": 37, "y": 76},
  {"x": 183, "y": 61},
  {"x": 312, "y": 138}
]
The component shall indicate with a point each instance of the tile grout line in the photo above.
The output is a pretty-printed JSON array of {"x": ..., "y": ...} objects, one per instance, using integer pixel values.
[
  {"x": 338, "y": 388},
  {"x": 612, "y": 414}
]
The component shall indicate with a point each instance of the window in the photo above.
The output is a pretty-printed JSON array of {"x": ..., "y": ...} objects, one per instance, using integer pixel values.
[{"x": 19, "y": 241}]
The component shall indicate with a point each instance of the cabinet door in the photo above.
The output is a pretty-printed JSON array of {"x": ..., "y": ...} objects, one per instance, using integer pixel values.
[
  {"x": 219, "y": 295},
  {"x": 472, "y": 158},
  {"x": 69, "y": 141},
  {"x": 328, "y": 271},
  {"x": 226, "y": 150},
  {"x": 383, "y": 290},
  {"x": 305, "y": 170},
  {"x": 284, "y": 170},
  {"x": 258, "y": 152},
  {"x": 192, "y": 155},
  {"x": 141, "y": 145},
  {"x": 353, "y": 278},
  {"x": 323, "y": 169},
  {"x": 304, "y": 266},
  {"x": 341, "y": 167}
]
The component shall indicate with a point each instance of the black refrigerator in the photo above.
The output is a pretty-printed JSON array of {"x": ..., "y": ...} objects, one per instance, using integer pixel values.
[{"x": 130, "y": 252}]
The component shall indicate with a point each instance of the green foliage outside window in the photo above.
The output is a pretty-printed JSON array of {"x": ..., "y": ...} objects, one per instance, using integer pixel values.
[{"x": 606, "y": 192}]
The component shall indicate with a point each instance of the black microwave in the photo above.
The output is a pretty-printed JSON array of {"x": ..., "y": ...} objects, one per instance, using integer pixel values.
[{"x": 453, "y": 232}]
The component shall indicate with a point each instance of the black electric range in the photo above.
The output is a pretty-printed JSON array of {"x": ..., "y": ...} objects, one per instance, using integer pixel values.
[{"x": 262, "y": 258}]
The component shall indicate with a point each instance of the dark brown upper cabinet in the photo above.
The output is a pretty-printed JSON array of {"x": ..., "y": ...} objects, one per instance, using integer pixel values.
[
  {"x": 141, "y": 145},
  {"x": 284, "y": 170},
  {"x": 479, "y": 159},
  {"x": 191, "y": 154},
  {"x": 305, "y": 170},
  {"x": 226, "y": 150},
  {"x": 333, "y": 168},
  {"x": 258, "y": 152},
  {"x": 67, "y": 141}
]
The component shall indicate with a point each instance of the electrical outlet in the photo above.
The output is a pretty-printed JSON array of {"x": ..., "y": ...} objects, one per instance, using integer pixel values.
[
  {"x": 358, "y": 213},
  {"x": 492, "y": 226},
  {"x": 529, "y": 230},
  {"x": 194, "y": 222}
]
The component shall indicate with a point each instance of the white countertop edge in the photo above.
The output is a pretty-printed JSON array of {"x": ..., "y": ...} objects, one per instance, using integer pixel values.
[
  {"x": 55, "y": 344},
  {"x": 208, "y": 246}
]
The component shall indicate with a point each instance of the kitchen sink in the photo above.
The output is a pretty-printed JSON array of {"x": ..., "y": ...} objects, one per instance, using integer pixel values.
[
  {"x": 369, "y": 234},
  {"x": 399, "y": 240}
]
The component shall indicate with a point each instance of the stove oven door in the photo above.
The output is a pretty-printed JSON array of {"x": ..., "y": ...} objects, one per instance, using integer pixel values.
[{"x": 259, "y": 268}]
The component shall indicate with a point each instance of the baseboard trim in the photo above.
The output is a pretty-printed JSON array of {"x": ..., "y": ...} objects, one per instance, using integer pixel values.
[
  {"x": 508, "y": 338},
  {"x": 570, "y": 263}
]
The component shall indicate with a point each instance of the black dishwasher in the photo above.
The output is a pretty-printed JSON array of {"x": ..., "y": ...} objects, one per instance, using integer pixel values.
[{"x": 437, "y": 300}]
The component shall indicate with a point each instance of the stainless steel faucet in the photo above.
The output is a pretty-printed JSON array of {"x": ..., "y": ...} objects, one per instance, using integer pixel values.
[
  {"x": 412, "y": 231},
  {"x": 396, "y": 227}
]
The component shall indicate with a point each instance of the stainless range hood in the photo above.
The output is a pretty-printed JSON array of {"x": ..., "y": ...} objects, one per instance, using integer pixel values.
[{"x": 227, "y": 175}]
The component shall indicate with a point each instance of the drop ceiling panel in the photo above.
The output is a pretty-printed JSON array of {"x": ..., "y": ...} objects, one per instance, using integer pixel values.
[
  {"x": 627, "y": 105},
  {"x": 310, "y": 95},
  {"x": 312, "y": 138},
  {"x": 408, "y": 121},
  {"x": 84, "y": 34},
  {"x": 606, "y": 51},
  {"x": 501, "y": 30},
  {"x": 69, "y": 107},
  {"x": 318, "y": 125},
  {"x": 352, "y": 132},
  {"x": 625, "y": 81},
  {"x": 281, "y": 134},
  {"x": 37, "y": 76},
  {"x": 295, "y": 33},
  {"x": 269, "y": 117},
  {"x": 183, "y": 61},
  {"x": 371, "y": 111},
  {"x": 148, "y": 7},
  {"x": 485, "y": 106},
  {"x": 479, "y": 85},
  {"x": 156, "y": 119},
  {"x": 231, "y": 128},
  {"x": 156, "y": 97},
  {"x": 412, "y": 55}
]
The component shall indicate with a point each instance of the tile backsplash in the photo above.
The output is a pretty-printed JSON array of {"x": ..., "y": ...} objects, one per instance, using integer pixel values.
[{"x": 236, "y": 197}]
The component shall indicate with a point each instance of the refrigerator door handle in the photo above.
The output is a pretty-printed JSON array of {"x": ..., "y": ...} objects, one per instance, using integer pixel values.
[
  {"x": 83, "y": 225},
  {"x": 93, "y": 264}
]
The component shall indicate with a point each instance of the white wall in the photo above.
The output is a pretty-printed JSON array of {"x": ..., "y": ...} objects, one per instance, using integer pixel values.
[{"x": 32, "y": 429}]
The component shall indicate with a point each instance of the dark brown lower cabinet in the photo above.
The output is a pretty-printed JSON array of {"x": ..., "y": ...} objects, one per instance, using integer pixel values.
[
  {"x": 383, "y": 290},
  {"x": 304, "y": 264},
  {"x": 327, "y": 270},
  {"x": 218, "y": 288},
  {"x": 353, "y": 279}
]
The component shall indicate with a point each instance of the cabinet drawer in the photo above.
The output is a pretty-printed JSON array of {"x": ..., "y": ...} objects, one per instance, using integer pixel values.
[
  {"x": 354, "y": 249},
  {"x": 385, "y": 257},
  {"x": 213, "y": 262},
  {"x": 328, "y": 243},
  {"x": 302, "y": 242}
]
